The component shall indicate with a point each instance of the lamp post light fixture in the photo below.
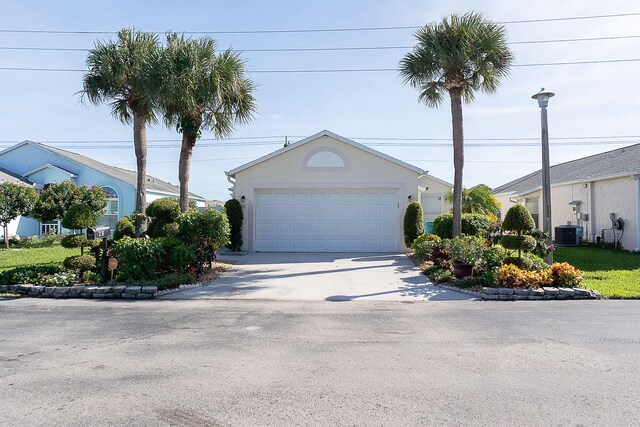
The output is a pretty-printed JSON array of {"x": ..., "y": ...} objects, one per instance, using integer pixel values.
[{"x": 543, "y": 100}]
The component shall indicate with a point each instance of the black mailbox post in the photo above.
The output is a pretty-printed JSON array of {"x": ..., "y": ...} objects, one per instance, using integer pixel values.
[{"x": 103, "y": 232}]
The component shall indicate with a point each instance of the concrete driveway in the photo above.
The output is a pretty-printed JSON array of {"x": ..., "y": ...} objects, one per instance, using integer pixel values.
[{"x": 322, "y": 277}]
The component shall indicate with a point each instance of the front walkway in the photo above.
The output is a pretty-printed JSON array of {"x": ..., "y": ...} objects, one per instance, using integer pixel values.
[{"x": 322, "y": 277}]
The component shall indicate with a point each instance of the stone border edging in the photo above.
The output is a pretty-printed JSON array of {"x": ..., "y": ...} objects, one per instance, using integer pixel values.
[
  {"x": 180, "y": 288},
  {"x": 81, "y": 291},
  {"x": 517, "y": 294}
]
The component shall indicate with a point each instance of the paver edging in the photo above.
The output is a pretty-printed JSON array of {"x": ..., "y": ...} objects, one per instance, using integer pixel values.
[
  {"x": 521, "y": 294},
  {"x": 81, "y": 291}
]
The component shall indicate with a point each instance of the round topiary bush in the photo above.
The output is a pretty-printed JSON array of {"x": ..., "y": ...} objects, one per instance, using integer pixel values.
[
  {"x": 413, "y": 223},
  {"x": 124, "y": 227},
  {"x": 472, "y": 225},
  {"x": 525, "y": 243},
  {"x": 518, "y": 219},
  {"x": 233, "y": 208},
  {"x": 161, "y": 212},
  {"x": 78, "y": 216},
  {"x": 79, "y": 263},
  {"x": 75, "y": 241}
]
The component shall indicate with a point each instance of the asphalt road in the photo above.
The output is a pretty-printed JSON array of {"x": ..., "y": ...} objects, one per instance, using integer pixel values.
[{"x": 232, "y": 363}]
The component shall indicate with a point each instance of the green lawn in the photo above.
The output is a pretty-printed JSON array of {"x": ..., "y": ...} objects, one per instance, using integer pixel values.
[
  {"x": 16, "y": 257},
  {"x": 615, "y": 274}
]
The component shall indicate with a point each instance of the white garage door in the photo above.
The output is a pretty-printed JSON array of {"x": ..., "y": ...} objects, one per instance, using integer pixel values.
[{"x": 341, "y": 220}]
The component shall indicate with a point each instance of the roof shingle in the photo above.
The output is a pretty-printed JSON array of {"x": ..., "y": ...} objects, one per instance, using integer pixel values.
[{"x": 619, "y": 162}]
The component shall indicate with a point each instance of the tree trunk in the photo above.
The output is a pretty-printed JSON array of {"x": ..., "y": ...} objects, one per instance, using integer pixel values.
[
  {"x": 140, "y": 144},
  {"x": 458, "y": 158},
  {"x": 184, "y": 167},
  {"x": 6, "y": 235}
]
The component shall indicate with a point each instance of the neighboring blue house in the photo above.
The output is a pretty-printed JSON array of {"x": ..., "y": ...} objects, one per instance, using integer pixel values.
[{"x": 32, "y": 163}]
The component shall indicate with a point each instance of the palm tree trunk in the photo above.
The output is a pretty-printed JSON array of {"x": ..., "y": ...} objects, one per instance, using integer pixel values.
[
  {"x": 184, "y": 167},
  {"x": 458, "y": 158},
  {"x": 140, "y": 144}
]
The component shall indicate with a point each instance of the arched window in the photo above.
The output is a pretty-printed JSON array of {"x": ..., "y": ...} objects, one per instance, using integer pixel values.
[{"x": 110, "y": 217}]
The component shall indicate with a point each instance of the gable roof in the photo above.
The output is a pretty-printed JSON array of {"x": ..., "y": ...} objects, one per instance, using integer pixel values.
[
  {"x": 124, "y": 175},
  {"x": 8, "y": 176},
  {"x": 330, "y": 134},
  {"x": 623, "y": 161},
  {"x": 52, "y": 167}
]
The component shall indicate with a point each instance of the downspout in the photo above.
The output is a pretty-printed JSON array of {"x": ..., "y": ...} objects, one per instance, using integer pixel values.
[
  {"x": 232, "y": 189},
  {"x": 636, "y": 178}
]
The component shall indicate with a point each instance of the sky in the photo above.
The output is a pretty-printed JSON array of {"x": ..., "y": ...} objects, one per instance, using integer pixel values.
[{"x": 592, "y": 100}]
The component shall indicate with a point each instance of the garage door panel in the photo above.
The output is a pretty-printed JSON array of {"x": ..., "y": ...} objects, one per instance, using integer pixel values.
[{"x": 326, "y": 220}]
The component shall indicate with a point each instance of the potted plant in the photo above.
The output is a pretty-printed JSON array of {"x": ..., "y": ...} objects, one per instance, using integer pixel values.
[{"x": 465, "y": 252}]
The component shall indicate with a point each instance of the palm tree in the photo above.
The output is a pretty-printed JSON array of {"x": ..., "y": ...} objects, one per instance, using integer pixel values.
[
  {"x": 477, "y": 200},
  {"x": 459, "y": 55},
  {"x": 202, "y": 90},
  {"x": 124, "y": 74}
]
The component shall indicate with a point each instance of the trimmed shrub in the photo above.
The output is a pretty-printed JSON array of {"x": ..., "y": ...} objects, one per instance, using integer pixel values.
[
  {"x": 172, "y": 281},
  {"x": 78, "y": 216},
  {"x": 423, "y": 245},
  {"x": 161, "y": 212},
  {"x": 413, "y": 223},
  {"x": 138, "y": 259},
  {"x": 518, "y": 219},
  {"x": 233, "y": 208},
  {"x": 204, "y": 232},
  {"x": 472, "y": 225},
  {"x": 124, "y": 227},
  {"x": 79, "y": 263},
  {"x": 75, "y": 241},
  {"x": 526, "y": 243},
  {"x": 28, "y": 274}
]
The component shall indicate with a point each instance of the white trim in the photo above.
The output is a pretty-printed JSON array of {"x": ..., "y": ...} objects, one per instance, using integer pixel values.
[
  {"x": 330, "y": 134},
  {"x": 53, "y": 167}
]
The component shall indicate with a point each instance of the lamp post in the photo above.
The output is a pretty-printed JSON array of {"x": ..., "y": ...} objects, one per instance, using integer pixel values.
[{"x": 543, "y": 100}]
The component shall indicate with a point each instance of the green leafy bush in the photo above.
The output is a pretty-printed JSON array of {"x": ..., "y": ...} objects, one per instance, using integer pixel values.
[
  {"x": 233, "y": 208},
  {"x": 524, "y": 242},
  {"x": 467, "y": 249},
  {"x": 124, "y": 227},
  {"x": 75, "y": 241},
  {"x": 472, "y": 225},
  {"x": 90, "y": 278},
  {"x": 78, "y": 216},
  {"x": 205, "y": 232},
  {"x": 79, "y": 263},
  {"x": 138, "y": 259},
  {"x": 161, "y": 212},
  {"x": 520, "y": 262},
  {"x": 28, "y": 274},
  {"x": 174, "y": 280},
  {"x": 177, "y": 256},
  {"x": 413, "y": 223},
  {"x": 423, "y": 245}
]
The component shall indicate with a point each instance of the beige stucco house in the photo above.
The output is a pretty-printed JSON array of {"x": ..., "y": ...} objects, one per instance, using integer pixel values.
[
  {"x": 587, "y": 192},
  {"x": 327, "y": 193}
]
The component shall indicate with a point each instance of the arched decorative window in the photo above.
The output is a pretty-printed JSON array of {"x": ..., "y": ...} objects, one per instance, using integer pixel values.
[
  {"x": 110, "y": 217},
  {"x": 326, "y": 159}
]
